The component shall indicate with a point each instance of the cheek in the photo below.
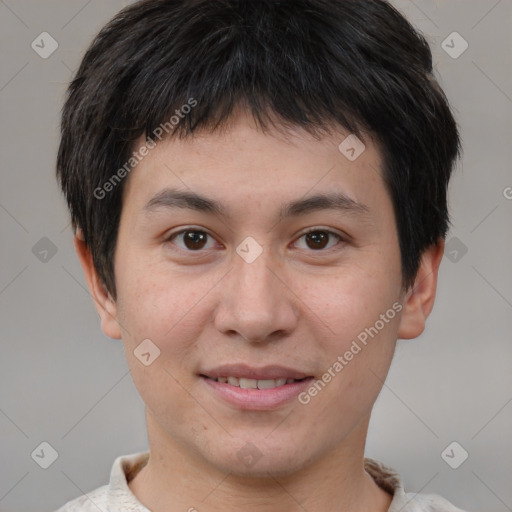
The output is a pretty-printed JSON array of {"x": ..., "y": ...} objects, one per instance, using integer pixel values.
[
  {"x": 153, "y": 304},
  {"x": 362, "y": 312},
  {"x": 350, "y": 301},
  {"x": 171, "y": 312}
]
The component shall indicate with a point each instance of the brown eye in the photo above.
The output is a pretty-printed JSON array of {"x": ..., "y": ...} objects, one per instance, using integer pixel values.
[
  {"x": 192, "y": 240},
  {"x": 318, "y": 239}
]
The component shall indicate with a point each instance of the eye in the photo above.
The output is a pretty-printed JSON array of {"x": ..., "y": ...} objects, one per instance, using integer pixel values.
[
  {"x": 192, "y": 240},
  {"x": 318, "y": 239}
]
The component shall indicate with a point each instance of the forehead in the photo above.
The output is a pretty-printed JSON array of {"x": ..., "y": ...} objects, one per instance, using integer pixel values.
[{"x": 240, "y": 160}]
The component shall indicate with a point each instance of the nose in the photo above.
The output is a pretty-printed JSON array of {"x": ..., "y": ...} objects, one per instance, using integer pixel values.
[{"x": 257, "y": 303}]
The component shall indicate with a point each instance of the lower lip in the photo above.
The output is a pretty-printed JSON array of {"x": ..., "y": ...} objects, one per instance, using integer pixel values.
[{"x": 257, "y": 399}]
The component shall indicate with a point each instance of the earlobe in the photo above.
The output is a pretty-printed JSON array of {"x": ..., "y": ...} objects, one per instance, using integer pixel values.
[
  {"x": 104, "y": 302},
  {"x": 418, "y": 301}
]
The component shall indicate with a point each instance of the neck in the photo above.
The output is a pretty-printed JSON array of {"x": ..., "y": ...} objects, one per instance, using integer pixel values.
[{"x": 175, "y": 479}]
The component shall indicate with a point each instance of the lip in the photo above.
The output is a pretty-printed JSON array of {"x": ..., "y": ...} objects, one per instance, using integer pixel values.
[
  {"x": 265, "y": 372},
  {"x": 255, "y": 399}
]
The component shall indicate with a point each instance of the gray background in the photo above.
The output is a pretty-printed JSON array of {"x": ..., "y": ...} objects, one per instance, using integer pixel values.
[{"x": 63, "y": 382}]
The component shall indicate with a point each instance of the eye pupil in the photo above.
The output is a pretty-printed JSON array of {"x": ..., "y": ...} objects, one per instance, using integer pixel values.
[
  {"x": 317, "y": 239},
  {"x": 194, "y": 239}
]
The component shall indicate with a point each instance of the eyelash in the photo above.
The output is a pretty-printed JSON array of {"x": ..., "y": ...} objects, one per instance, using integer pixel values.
[{"x": 330, "y": 233}]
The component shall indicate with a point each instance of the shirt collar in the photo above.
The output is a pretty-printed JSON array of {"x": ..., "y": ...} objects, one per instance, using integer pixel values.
[{"x": 126, "y": 467}]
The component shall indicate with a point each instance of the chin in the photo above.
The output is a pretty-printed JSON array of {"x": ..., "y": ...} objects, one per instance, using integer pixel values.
[{"x": 263, "y": 460}]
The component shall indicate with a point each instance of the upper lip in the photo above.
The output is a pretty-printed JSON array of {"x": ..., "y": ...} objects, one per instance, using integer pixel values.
[{"x": 250, "y": 372}]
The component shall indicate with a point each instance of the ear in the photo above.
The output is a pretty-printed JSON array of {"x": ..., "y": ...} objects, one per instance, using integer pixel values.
[
  {"x": 419, "y": 299},
  {"x": 105, "y": 304}
]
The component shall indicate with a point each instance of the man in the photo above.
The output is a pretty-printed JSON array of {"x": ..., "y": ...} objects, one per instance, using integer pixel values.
[{"x": 258, "y": 190}]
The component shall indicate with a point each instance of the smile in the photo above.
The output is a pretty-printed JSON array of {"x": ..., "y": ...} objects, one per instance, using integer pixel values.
[
  {"x": 246, "y": 383},
  {"x": 255, "y": 389}
]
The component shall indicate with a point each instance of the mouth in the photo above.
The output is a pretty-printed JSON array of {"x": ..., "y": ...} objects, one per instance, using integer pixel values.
[
  {"x": 247, "y": 383},
  {"x": 257, "y": 389}
]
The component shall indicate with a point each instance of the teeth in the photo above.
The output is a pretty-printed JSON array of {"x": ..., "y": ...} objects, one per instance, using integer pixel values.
[
  {"x": 244, "y": 383},
  {"x": 267, "y": 383},
  {"x": 248, "y": 383},
  {"x": 234, "y": 381}
]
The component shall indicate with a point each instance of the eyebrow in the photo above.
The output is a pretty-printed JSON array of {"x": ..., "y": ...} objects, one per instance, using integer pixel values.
[{"x": 171, "y": 198}]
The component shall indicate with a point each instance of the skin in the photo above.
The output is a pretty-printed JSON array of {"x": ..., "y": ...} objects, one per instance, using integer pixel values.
[{"x": 296, "y": 305}]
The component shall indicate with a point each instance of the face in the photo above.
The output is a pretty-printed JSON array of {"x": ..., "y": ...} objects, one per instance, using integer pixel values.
[{"x": 265, "y": 271}]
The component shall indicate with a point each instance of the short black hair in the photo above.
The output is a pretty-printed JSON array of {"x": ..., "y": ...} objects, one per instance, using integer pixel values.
[{"x": 315, "y": 64}]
